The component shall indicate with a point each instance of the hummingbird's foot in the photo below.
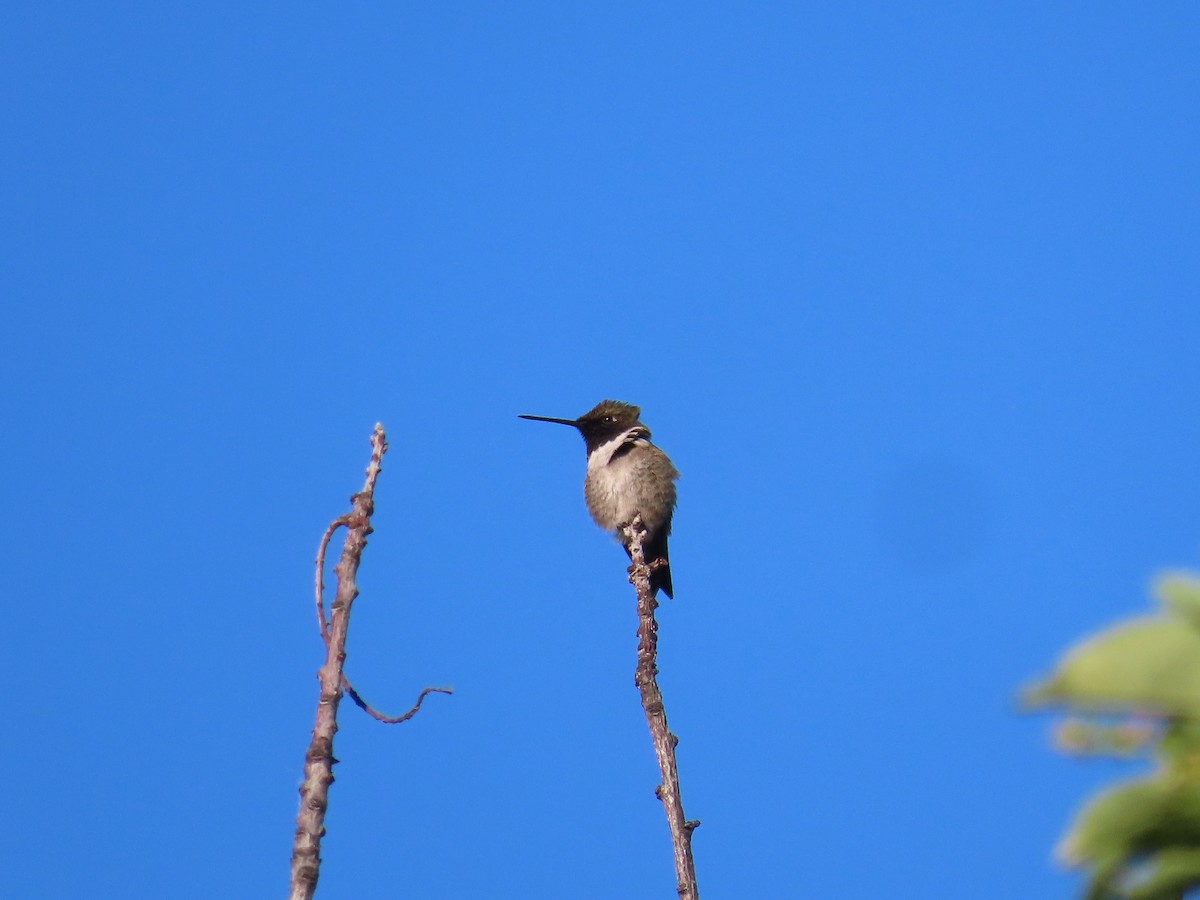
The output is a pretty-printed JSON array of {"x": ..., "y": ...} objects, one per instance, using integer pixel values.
[
  {"x": 651, "y": 565},
  {"x": 635, "y": 523},
  {"x": 658, "y": 563}
]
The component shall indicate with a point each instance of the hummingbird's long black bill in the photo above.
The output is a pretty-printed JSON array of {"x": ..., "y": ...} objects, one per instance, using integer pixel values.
[{"x": 572, "y": 422}]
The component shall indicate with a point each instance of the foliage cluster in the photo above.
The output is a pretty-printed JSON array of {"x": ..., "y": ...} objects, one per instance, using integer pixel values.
[{"x": 1135, "y": 688}]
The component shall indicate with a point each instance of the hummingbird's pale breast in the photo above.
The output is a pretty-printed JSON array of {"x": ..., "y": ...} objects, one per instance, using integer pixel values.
[{"x": 626, "y": 476}]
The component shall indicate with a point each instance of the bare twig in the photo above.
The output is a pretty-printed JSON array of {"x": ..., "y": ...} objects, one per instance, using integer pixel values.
[
  {"x": 391, "y": 720},
  {"x": 333, "y": 526},
  {"x": 646, "y": 678},
  {"x": 318, "y": 761},
  {"x": 323, "y": 622}
]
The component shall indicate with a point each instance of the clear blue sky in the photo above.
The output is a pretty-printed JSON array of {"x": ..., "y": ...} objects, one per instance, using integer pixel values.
[{"x": 908, "y": 291}]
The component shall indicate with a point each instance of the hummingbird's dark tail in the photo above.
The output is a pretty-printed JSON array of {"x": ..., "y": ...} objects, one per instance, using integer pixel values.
[{"x": 660, "y": 577}]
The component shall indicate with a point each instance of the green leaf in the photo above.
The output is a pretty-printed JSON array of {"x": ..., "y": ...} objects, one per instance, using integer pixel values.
[
  {"x": 1180, "y": 593},
  {"x": 1173, "y": 871},
  {"x": 1150, "y": 664},
  {"x": 1140, "y": 839},
  {"x": 1180, "y": 747},
  {"x": 1115, "y": 825}
]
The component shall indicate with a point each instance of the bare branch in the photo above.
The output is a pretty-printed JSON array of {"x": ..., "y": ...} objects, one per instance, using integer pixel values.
[
  {"x": 646, "y": 678},
  {"x": 318, "y": 761}
]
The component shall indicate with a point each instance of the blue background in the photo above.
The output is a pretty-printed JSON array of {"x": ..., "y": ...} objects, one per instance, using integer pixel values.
[{"x": 908, "y": 292}]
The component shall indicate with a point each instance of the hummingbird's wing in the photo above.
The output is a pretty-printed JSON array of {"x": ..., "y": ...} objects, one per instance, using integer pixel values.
[
  {"x": 639, "y": 434},
  {"x": 660, "y": 578}
]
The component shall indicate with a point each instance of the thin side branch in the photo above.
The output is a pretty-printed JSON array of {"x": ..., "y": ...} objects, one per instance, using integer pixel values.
[
  {"x": 323, "y": 623},
  {"x": 318, "y": 761},
  {"x": 321, "y": 620},
  {"x": 646, "y": 678},
  {"x": 391, "y": 720}
]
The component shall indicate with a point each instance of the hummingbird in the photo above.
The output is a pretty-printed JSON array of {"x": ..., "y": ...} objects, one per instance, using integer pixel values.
[{"x": 626, "y": 476}]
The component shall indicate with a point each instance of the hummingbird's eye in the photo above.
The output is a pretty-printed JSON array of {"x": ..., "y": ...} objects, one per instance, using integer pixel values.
[{"x": 608, "y": 418}]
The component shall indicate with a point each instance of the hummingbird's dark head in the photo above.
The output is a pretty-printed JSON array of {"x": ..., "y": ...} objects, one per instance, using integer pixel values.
[
  {"x": 600, "y": 424},
  {"x": 609, "y": 418},
  {"x": 606, "y": 420}
]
